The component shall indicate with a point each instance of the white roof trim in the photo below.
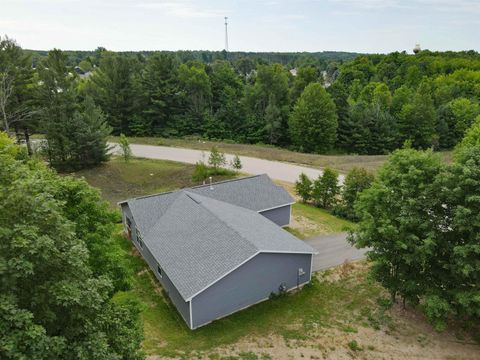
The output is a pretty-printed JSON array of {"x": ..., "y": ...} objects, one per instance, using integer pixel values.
[
  {"x": 243, "y": 262},
  {"x": 276, "y": 207}
]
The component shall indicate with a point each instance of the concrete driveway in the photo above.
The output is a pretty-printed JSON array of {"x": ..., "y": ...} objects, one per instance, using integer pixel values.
[
  {"x": 275, "y": 169},
  {"x": 333, "y": 250}
]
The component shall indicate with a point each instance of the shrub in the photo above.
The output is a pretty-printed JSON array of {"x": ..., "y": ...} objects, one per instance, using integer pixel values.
[
  {"x": 236, "y": 163},
  {"x": 216, "y": 159},
  {"x": 125, "y": 147},
  {"x": 325, "y": 189},
  {"x": 200, "y": 172},
  {"x": 303, "y": 187}
]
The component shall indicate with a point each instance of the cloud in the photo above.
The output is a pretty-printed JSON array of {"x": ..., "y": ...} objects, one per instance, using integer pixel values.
[
  {"x": 183, "y": 9},
  {"x": 457, "y": 6}
]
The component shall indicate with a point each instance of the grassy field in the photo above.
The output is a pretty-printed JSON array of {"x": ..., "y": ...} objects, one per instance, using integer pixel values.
[
  {"x": 342, "y": 163},
  {"x": 119, "y": 180},
  {"x": 308, "y": 220}
]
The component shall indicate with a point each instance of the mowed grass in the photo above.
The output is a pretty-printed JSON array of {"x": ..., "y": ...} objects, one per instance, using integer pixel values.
[
  {"x": 342, "y": 163},
  {"x": 119, "y": 180},
  {"x": 341, "y": 304},
  {"x": 308, "y": 220}
]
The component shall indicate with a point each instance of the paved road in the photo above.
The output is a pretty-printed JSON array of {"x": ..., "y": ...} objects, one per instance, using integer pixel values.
[
  {"x": 275, "y": 169},
  {"x": 333, "y": 250}
]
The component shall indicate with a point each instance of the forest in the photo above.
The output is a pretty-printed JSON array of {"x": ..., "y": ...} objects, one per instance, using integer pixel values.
[{"x": 320, "y": 103}]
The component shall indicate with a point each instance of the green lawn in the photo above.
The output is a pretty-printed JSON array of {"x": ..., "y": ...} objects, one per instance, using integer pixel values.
[
  {"x": 342, "y": 304},
  {"x": 342, "y": 163},
  {"x": 308, "y": 220}
]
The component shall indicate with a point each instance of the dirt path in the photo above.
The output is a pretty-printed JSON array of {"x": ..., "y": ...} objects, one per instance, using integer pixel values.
[{"x": 275, "y": 169}]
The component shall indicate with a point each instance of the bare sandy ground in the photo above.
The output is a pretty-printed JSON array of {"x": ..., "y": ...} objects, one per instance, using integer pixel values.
[{"x": 275, "y": 169}]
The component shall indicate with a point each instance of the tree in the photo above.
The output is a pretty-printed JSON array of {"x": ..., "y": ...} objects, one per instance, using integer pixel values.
[
  {"x": 398, "y": 219},
  {"x": 464, "y": 112},
  {"x": 88, "y": 135},
  {"x": 16, "y": 99},
  {"x": 455, "y": 266},
  {"x": 236, "y": 163},
  {"x": 313, "y": 123},
  {"x": 57, "y": 98},
  {"x": 160, "y": 88},
  {"x": 356, "y": 181},
  {"x": 325, "y": 189},
  {"x": 305, "y": 76},
  {"x": 273, "y": 122},
  {"x": 76, "y": 133},
  {"x": 227, "y": 107},
  {"x": 340, "y": 97},
  {"x": 114, "y": 89},
  {"x": 216, "y": 159},
  {"x": 269, "y": 91},
  {"x": 303, "y": 187},
  {"x": 52, "y": 305},
  {"x": 417, "y": 120},
  {"x": 471, "y": 138},
  {"x": 125, "y": 147}
]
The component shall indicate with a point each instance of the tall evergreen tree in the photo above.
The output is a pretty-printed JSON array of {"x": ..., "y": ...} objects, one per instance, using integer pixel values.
[
  {"x": 160, "y": 87},
  {"x": 112, "y": 86}
]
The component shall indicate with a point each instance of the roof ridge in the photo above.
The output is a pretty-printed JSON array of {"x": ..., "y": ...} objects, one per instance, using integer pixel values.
[
  {"x": 226, "y": 181},
  {"x": 217, "y": 217},
  {"x": 192, "y": 187}
]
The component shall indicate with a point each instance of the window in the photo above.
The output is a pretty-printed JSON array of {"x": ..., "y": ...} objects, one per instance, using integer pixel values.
[
  {"x": 129, "y": 227},
  {"x": 159, "y": 270},
  {"x": 139, "y": 238}
]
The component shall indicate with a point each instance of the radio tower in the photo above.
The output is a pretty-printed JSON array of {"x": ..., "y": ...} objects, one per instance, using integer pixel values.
[{"x": 226, "y": 34}]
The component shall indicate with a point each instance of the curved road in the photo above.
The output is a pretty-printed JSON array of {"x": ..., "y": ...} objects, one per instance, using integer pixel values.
[{"x": 275, "y": 169}]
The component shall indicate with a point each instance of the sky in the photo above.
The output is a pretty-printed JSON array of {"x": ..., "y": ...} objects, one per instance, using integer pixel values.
[{"x": 369, "y": 26}]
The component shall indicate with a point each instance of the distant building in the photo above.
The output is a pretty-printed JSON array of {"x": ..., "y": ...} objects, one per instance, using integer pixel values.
[
  {"x": 293, "y": 72},
  {"x": 417, "y": 49}
]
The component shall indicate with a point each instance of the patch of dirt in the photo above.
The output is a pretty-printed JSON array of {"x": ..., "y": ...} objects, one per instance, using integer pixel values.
[{"x": 418, "y": 343}]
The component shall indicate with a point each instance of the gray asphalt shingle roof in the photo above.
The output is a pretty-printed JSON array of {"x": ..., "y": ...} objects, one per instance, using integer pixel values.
[{"x": 198, "y": 239}]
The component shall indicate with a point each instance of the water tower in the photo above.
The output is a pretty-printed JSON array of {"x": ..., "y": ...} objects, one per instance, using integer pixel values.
[{"x": 417, "y": 49}]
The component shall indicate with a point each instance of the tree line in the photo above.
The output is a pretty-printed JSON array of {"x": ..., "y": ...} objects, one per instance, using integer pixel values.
[{"x": 369, "y": 105}]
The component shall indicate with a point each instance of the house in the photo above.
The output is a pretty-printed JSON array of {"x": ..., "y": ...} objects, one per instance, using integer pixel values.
[{"x": 219, "y": 248}]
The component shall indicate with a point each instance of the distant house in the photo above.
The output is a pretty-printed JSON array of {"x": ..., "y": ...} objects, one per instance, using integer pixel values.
[{"x": 219, "y": 248}]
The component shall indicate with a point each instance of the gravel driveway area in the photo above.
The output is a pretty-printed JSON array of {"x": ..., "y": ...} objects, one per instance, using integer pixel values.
[
  {"x": 333, "y": 250},
  {"x": 275, "y": 169}
]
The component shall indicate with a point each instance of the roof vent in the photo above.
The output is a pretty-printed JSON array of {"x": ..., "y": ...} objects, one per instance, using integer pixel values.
[{"x": 211, "y": 185}]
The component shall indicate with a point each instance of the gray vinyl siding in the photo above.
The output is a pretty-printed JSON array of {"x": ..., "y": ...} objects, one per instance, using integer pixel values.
[
  {"x": 252, "y": 282},
  {"x": 280, "y": 216},
  {"x": 182, "y": 306}
]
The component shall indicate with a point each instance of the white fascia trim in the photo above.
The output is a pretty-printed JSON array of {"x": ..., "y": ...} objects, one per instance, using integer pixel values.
[
  {"x": 288, "y": 252},
  {"x": 221, "y": 277},
  {"x": 243, "y": 262},
  {"x": 191, "y": 316},
  {"x": 276, "y": 207}
]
